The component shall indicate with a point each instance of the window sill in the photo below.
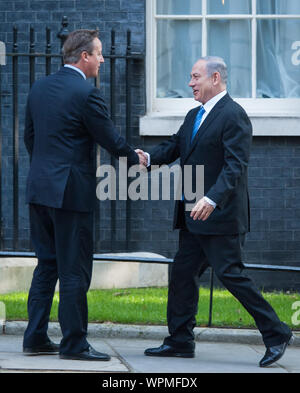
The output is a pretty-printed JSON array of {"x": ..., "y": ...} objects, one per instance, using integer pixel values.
[{"x": 168, "y": 123}]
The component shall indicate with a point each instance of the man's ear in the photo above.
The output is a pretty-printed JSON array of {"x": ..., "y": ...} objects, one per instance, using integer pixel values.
[
  {"x": 84, "y": 56},
  {"x": 216, "y": 77}
]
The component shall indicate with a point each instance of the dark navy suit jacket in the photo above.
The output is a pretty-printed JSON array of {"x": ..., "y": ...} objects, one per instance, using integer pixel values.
[
  {"x": 222, "y": 145},
  {"x": 65, "y": 116}
]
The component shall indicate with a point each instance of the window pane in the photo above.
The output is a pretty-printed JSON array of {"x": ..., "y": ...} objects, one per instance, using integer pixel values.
[
  {"x": 178, "y": 48},
  {"x": 232, "y": 41},
  {"x": 278, "y": 7},
  {"x": 229, "y": 7},
  {"x": 177, "y": 7},
  {"x": 278, "y": 58}
]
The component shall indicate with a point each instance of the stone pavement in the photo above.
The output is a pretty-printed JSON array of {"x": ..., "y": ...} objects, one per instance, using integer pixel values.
[{"x": 217, "y": 351}]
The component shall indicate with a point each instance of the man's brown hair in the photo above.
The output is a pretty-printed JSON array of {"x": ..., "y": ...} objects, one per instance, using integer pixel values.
[{"x": 77, "y": 42}]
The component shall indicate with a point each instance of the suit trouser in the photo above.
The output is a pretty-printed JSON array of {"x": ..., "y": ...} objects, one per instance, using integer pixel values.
[
  {"x": 223, "y": 254},
  {"x": 63, "y": 242}
]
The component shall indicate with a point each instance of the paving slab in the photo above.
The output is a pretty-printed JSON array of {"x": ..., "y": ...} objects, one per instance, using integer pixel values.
[
  {"x": 13, "y": 359},
  {"x": 209, "y": 358},
  {"x": 127, "y": 357}
]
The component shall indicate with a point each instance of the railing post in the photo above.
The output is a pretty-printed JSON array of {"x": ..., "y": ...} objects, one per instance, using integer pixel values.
[
  {"x": 63, "y": 32},
  {"x": 211, "y": 296},
  {"x": 170, "y": 267},
  {"x": 128, "y": 130},
  {"x": 48, "y": 51},
  {"x": 15, "y": 143},
  {"x": 97, "y": 244},
  {"x": 31, "y": 58},
  {"x": 113, "y": 118}
]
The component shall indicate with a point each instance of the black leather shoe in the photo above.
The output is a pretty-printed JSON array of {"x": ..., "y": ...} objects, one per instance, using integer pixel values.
[
  {"x": 167, "y": 350},
  {"x": 275, "y": 353},
  {"x": 89, "y": 354},
  {"x": 48, "y": 348}
]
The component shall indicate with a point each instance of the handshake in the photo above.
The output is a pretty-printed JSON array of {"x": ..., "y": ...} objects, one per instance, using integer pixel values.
[{"x": 143, "y": 158}]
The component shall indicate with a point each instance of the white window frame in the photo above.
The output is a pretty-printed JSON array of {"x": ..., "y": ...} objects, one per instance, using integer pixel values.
[
  {"x": 175, "y": 108},
  {"x": 2, "y": 53}
]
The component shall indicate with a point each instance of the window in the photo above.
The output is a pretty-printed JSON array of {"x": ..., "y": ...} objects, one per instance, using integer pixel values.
[{"x": 259, "y": 40}]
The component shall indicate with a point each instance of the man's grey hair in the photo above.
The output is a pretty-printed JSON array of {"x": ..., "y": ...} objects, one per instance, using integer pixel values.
[
  {"x": 216, "y": 64},
  {"x": 77, "y": 42}
]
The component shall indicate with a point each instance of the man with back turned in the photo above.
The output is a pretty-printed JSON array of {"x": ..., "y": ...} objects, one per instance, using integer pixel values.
[{"x": 65, "y": 116}]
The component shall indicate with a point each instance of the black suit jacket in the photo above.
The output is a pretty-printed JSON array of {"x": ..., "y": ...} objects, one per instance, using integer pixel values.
[
  {"x": 65, "y": 115},
  {"x": 222, "y": 145}
]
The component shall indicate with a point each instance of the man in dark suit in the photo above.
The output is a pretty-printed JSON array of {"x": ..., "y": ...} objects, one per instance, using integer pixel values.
[
  {"x": 218, "y": 136},
  {"x": 65, "y": 116}
]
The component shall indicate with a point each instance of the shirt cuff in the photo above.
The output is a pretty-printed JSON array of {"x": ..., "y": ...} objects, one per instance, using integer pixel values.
[
  {"x": 210, "y": 202},
  {"x": 148, "y": 158}
]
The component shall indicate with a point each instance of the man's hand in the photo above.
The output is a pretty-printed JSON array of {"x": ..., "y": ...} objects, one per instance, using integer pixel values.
[
  {"x": 142, "y": 157},
  {"x": 202, "y": 210}
]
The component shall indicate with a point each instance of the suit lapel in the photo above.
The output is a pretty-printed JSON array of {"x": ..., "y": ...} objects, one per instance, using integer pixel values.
[{"x": 212, "y": 116}]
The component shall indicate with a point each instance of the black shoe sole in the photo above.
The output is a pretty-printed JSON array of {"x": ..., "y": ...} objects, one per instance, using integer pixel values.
[
  {"x": 172, "y": 355},
  {"x": 38, "y": 353},
  {"x": 78, "y": 357}
]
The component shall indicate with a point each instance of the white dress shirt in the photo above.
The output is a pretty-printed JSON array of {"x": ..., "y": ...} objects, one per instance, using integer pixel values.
[
  {"x": 208, "y": 106},
  {"x": 76, "y": 69}
]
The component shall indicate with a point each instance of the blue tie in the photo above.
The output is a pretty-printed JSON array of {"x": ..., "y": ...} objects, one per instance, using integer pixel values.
[
  {"x": 196, "y": 128},
  {"x": 197, "y": 122}
]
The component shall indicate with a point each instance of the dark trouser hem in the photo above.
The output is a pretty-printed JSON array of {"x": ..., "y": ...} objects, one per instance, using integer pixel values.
[
  {"x": 278, "y": 335},
  {"x": 186, "y": 346}
]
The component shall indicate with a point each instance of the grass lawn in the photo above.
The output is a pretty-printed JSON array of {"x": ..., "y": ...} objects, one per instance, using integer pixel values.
[{"x": 148, "y": 306}]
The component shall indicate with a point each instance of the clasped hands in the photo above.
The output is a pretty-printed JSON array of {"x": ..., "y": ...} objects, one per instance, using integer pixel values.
[{"x": 143, "y": 158}]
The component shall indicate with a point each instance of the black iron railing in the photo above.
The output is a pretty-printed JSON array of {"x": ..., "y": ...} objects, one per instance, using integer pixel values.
[{"x": 48, "y": 55}]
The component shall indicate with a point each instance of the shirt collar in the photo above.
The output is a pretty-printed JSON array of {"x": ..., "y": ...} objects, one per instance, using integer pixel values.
[
  {"x": 212, "y": 102},
  {"x": 76, "y": 69}
]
